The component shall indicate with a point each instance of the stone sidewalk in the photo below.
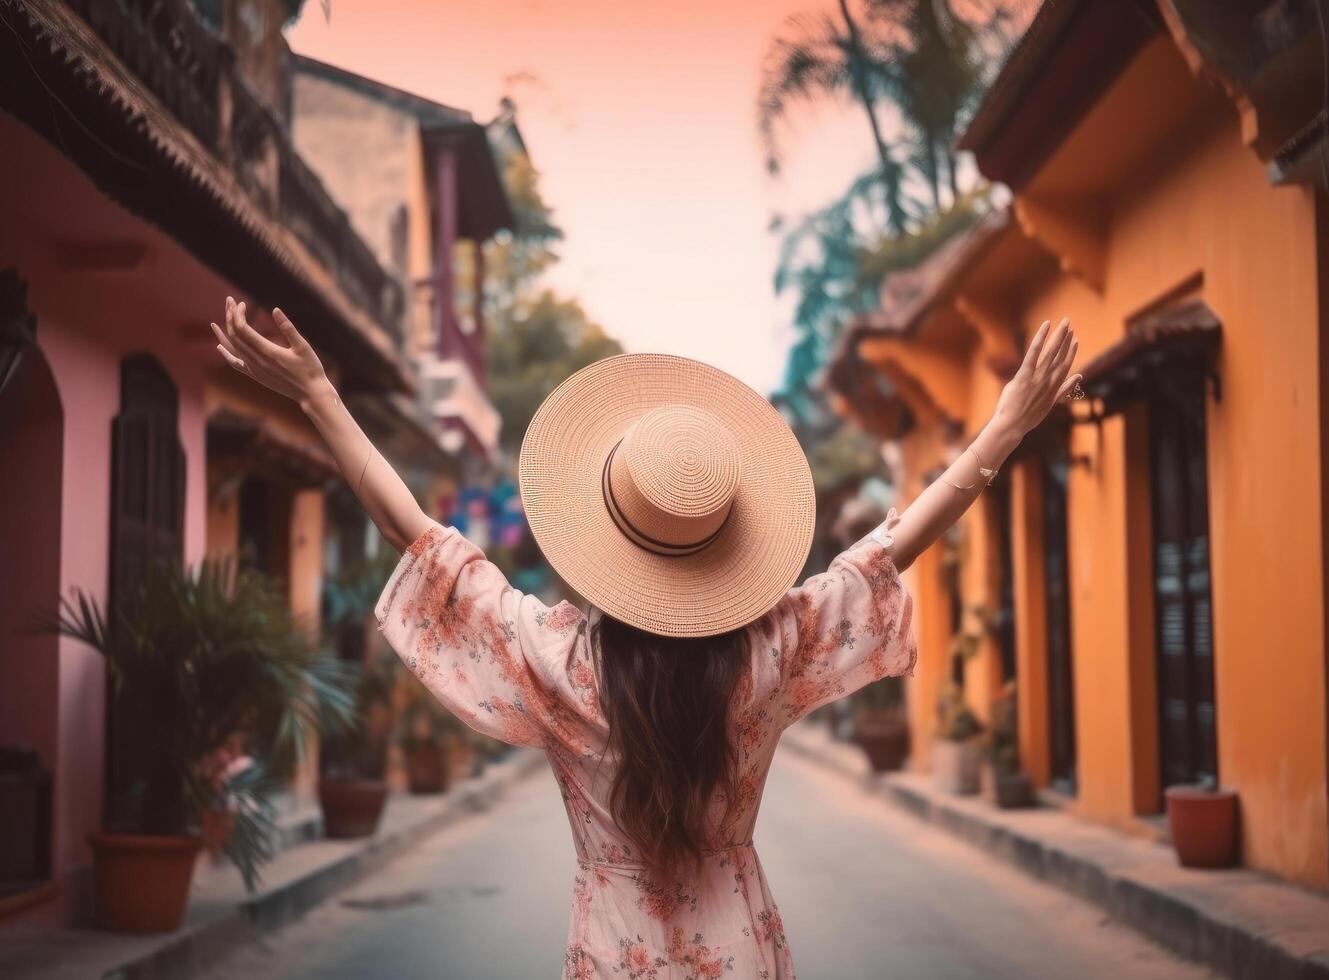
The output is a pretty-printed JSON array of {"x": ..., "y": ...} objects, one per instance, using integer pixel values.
[
  {"x": 1237, "y": 921},
  {"x": 222, "y": 916}
]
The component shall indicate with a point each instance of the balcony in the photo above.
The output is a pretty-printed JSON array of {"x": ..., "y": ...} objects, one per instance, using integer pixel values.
[{"x": 149, "y": 79}]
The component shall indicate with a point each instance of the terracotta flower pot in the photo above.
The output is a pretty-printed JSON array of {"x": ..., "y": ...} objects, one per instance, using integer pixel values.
[
  {"x": 1203, "y": 823},
  {"x": 1012, "y": 790},
  {"x": 351, "y": 807},
  {"x": 957, "y": 767},
  {"x": 141, "y": 884},
  {"x": 885, "y": 742},
  {"x": 427, "y": 767}
]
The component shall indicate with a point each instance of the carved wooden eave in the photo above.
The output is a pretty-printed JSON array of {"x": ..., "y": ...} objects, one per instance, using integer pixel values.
[
  {"x": 158, "y": 119},
  {"x": 1071, "y": 229},
  {"x": 1267, "y": 55},
  {"x": 240, "y": 443},
  {"x": 932, "y": 383},
  {"x": 856, "y": 391}
]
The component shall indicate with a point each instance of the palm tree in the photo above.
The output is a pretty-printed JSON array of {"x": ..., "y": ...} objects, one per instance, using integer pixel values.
[
  {"x": 933, "y": 71},
  {"x": 816, "y": 56},
  {"x": 931, "y": 74},
  {"x": 917, "y": 54}
]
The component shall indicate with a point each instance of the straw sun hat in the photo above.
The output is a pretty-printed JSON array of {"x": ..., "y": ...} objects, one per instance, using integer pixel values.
[{"x": 668, "y": 493}]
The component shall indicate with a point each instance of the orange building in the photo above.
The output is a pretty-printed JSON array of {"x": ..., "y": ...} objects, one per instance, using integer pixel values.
[{"x": 1150, "y": 567}]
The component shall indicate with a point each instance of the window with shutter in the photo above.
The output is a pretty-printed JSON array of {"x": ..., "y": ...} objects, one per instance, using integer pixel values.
[
  {"x": 1183, "y": 619},
  {"x": 147, "y": 520},
  {"x": 1060, "y": 668},
  {"x": 147, "y": 475},
  {"x": 1003, "y": 619}
]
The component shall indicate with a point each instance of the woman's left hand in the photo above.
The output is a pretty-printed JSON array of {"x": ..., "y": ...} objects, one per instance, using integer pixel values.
[
  {"x": 294, "y": 371},
  {"x": 1041, "y": 381}
]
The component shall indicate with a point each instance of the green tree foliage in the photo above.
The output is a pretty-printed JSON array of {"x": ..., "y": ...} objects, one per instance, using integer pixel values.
[
  {"x": 845, "y": 454},
  {"x": 927, "y": 60},
  {"x": 835, "y": 259},
  {"x": 818, "y": 56},
  {"x": 198, "y": 659},
  {"x": 542, "y": 341}
]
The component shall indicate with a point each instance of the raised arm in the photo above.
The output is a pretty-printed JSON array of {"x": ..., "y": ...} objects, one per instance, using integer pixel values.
[
  {"x": 1040, "y": 383},
  {"x": 296, "y": 372}
]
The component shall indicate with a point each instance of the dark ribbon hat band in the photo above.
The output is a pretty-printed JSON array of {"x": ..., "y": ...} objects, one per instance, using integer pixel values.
[{"x": 633, "y": 534}]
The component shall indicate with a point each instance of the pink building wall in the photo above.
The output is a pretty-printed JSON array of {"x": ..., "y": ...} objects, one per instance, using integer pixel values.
[{"x": 103, "y": 285}]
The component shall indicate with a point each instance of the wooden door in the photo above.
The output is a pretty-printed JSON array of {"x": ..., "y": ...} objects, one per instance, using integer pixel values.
[
  {"x": 1182, "y": 612},
  {"x": 147, "y": 528},
  {"x": 1060, "y": 666},
  {"x": 1003, "y": 617},
  {"x": 147, "y": 476}
]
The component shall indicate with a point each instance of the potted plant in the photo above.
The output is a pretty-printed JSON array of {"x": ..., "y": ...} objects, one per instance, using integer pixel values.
[
  {"x": 196, "y": 659},
  {"x": 880, "y": 728},
  {"x": 1203, "y": 821},
  {"x": 1011, "y": 787},
  {"x": 353, "y": 787},
  {"x": 348, "y": 601},
  {"x": 957, "y": 753},
  {"x": 428, "y": 732}
]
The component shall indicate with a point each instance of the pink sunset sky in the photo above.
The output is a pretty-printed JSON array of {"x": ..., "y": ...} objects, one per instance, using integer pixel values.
[{"x": 641, "y": 118}]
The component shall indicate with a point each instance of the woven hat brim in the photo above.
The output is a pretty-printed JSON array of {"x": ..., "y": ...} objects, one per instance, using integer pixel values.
[{"x": 737, "y": 578}]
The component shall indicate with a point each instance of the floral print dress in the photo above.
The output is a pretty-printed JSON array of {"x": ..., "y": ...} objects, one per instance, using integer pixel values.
[{"x": 517, "y": 670}]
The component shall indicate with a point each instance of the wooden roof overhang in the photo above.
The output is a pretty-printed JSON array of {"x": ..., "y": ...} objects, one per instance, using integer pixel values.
[
  {"x": 909, "y": 359},
  {"x": 484, "y": 204},
  {"x": 1268, "y": 55},
  {"x": 151, "y": 127},
  {"x": 863, "y": 393},
  {"x": 485, "y": 208},
  {"x": 1157, "y": 349},
  {"x": 909, "y": 296},
  {"x": 1082, "y": 108},
  {"x": 240, "y": 443},
  {"x": 1070, "y": 55},
  {"x": 889, "y": 383}
]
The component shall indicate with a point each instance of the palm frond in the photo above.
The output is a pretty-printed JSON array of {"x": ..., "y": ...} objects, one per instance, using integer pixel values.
[
  {"x": 199, "y": 658},
  {"x": 252, "y": 842},
  {"x": 804, "y": 62}
]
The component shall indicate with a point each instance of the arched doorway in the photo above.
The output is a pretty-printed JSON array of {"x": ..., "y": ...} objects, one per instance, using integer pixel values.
[{"x": 32, "y": 446}]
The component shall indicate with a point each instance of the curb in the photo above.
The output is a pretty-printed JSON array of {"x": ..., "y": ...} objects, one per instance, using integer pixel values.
[
  {"x": 1175, "y": 917},
  {"x": 203, "y": 946}
]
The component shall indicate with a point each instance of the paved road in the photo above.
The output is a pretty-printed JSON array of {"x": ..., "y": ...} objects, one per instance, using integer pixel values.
[{"x": 865, "y": 892}]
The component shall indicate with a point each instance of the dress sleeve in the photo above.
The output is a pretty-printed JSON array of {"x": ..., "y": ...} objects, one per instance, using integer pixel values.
[
  {"x": 845, "y": 628},
  {"x": 503, "y": 662}
]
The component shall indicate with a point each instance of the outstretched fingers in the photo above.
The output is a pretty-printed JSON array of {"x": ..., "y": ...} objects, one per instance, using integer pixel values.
[
  {"x": 248, "y": 338},
  {"x": 1036, "y": 347},
  {"x": 223, "y": 341},
  {"x": 1067, "y": 359},
  {"x": 1056, "y": 346},
  {"x": 231, "y": 359},
  {"x": 293, "y": 336},
  {"x": 236, "y": 340}
]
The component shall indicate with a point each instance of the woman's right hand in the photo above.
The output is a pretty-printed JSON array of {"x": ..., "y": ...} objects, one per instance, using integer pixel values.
[
  {"x": 1041, "y": 381},
  {"x": 294, "y": 371}
]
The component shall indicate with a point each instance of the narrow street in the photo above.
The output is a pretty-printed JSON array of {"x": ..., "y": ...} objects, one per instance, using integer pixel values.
[{"x": 865, "y": 892}]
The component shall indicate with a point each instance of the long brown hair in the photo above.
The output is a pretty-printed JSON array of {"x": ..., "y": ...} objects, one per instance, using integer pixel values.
[{"x": 666, "y": 700}]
